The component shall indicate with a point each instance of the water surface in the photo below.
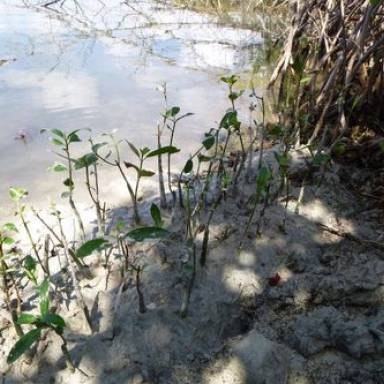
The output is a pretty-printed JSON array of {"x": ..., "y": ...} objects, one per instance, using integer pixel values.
[{"x": 99, "y": 67}]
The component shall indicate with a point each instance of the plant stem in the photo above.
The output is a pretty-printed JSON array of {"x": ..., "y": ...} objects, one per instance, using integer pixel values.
[
  {"x": 163, "y": 199},
  {"x": 188, "y": 289},
  {"x": 72, "y": 270},
  {"x": 136, "y": 214},
  {"x": 142, "y": 307},
  {"x": 70, "y": 190}
]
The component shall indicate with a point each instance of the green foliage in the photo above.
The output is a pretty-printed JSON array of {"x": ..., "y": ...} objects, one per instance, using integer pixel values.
[
  {"x": 172, "y": 112},
  {"x": 263, "y": 178},
  {"x": 58, "y": 167},
  {"x": 30, "y": 268},
  {"x": 89, "y": 247},
  {"x": 230, "y": 120},
  {"x": 147, "y": 233},
  {"x": 46, "y": 319},
  {"x": 85, "y": 161},
  {"x": 209, "y": 141},
  {"x": 23, "y": 344},
  {"x": 156, "y": 215},
  {"x": 188, "y": 166},
  {"x": 10, "y": 227},
  {"x": 283, "y": 161},
  {"x": 230, "y": 80},
  {"x": 321, "y": 159},
  {"x": 17, "y": 194},
  {"x": 163, "y": 150}
]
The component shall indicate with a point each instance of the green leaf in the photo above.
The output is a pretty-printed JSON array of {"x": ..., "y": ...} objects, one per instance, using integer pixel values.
[
  {"x": 54, "y": 320},
  {"x": 188, "y": 166},
  {"x": 134, "y": 149},
  {"x": 172, "y": 112},
  {"x": 163, "y": 150},
  {"x": 10, "y": 227},
  {"x": 57, "y": 132},
  {"x": 73, "y": 137},
  {"x": 26, "y": 318},
  {"x": 85, "y": 161},
  {"x": 89, "y": 247},
  {"x": 282, "y": 159},
  {"x": 235, "y": 95},
  {"x": 209, "y": 142},
  {"x": 44, "y": 304},
  {"x": 156, "y": 215},
  {"x": 23, "y": 344},
  {"x": 144, "y": 151},
  {"x": 321, "y": 159},
  {"x": 131, "y": 165},
  {"x": 68, "y": 183},
  {"x": 96, "y": 147},
  {"x": 17, "y": 194},
  {"x": 65, "y": 195},
  {"x": 29, "y": 263},
  {"x": 203, "y": 158},
  {"x": 375, "y": 2},
  {"x": 147, "y": 233},
  {"x": 8, "y": 240},
  {"x": 57, "y": 142},
  {"x": 339, "y": 148},
  {"x": 229, "y": 120},
  {"x": 263, "y": 178},
  {"x": 230, "y": 80},
  {"x": 184, "y": 116},
  {"x": 58, "y": 167},
  {"x": 43, "y": 288},
  {"x": 145, "y": 173},
  {"x": 275, "y": 130}
]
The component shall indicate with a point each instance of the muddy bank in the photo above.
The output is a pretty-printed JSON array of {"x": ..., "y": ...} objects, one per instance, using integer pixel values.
[{"x": 299, "y": 304}]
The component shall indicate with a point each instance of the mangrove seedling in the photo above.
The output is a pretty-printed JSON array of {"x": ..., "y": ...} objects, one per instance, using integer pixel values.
[
  {"x": 143, "y": 154},
  {"x": 173, "y": 116},
  {"x": 46, "y": 319},
  {"x": 89, "y": 162},
  {"x": 73, "y": 258},
  {"x": 64, "y": 141},
  {"x": 7, "y": 279},
  {"x": 17, "y": 195},
  {"x": 263, "y": 180},
  {"x": 139, "y": 235}
]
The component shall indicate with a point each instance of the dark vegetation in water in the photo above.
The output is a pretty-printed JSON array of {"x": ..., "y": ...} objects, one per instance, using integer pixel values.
[{"x": 330, "y": 75}]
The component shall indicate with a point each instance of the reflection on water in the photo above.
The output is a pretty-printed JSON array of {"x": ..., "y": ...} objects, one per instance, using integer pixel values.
[{"x": 98, "y": 66}]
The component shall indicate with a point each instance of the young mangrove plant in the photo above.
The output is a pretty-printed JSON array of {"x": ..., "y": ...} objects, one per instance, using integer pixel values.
[
  {"x": 64, "y": 142},
  {"x": 263, "y": 180},
  {"x": 46, "y": 319},
  {"x": 134, "y": 264},
  {"x": 231, "y": 123},
  {"x": 173, "y": 117},
  {"x": 89, "y": 162},
  {"x": 141, "y": 154},
  {"x": 169, "y": 119},
  {"x": 8, "y": 282},
  {"x": 17, "y": 195},
  {"x": 75, "y": 258},
  {"x": 144, "y": 154}
]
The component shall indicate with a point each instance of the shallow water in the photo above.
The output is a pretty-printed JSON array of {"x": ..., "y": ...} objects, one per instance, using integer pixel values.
[{"x": 99, "y": 67}]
